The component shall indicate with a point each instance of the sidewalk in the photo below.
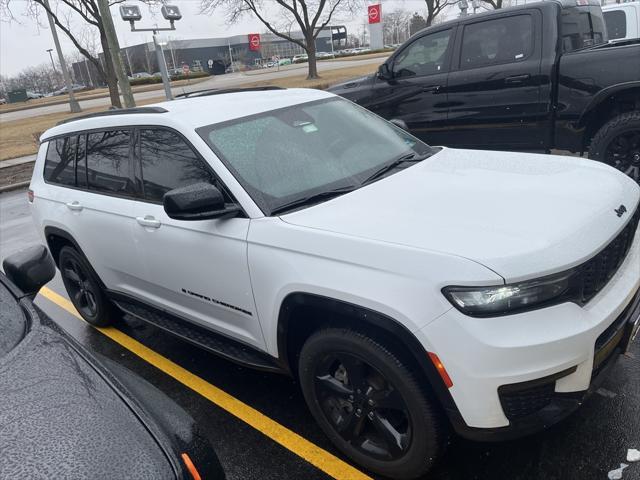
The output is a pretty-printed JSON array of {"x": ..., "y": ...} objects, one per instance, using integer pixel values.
[{"x": 12, "y": 162}]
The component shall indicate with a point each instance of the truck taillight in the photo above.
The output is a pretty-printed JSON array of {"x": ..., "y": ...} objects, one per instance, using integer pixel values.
[{"x": 30, "y": 195}]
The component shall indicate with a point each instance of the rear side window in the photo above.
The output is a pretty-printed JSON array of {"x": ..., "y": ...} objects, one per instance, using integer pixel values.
[
  {"x": 582, "y": 27},
  {"x": 168, "y": 162},
  {"x": 59, "y": 165},
  {"x": 616, "y": 21},
  {"x": 498, "y": 41},
  {"x": 109, "y": 165}
]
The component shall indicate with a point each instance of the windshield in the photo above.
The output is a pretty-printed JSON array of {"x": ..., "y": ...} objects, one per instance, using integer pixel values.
[
  {"x": 582, "y": 27},
  {"x": 298, "y": 152}
]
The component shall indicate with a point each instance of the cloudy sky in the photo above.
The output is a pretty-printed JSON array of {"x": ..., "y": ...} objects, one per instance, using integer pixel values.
[{"x": 24, "y": 43}]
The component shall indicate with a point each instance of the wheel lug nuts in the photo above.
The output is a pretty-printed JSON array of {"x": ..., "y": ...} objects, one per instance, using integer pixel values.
[
  {"x": 371, "y": 402},
  {"x": 358, "y": 412},
  {"x": 351, "y": 398},
  {"x": 370, "y": 415}
]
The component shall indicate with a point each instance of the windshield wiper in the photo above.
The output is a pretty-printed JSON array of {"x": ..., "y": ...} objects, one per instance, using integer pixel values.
[
  {"x": 409, "y": 157},
  {"x": 315, "y": 198}
]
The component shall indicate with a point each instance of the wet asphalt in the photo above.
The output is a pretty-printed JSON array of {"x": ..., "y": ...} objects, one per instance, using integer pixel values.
[{"x": 585, "y": 446}]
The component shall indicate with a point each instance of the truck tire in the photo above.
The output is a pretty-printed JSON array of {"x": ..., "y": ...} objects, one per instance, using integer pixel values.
[
  {"x": 370, "y": 404},
  {"x": 617, "y": 143}
]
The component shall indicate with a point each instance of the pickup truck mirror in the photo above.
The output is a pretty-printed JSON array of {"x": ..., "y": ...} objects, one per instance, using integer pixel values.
[
  {"x": 200, "y": 201},
  {"x": 30, "y": 269},
  {"x": 384, "y": 72}
]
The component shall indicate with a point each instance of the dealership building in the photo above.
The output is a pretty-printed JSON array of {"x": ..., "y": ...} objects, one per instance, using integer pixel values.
[{"x": 212, "y": 55}]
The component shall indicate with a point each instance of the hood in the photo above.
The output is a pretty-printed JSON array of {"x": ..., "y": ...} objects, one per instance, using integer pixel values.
[{"x": 521, "y": 215}]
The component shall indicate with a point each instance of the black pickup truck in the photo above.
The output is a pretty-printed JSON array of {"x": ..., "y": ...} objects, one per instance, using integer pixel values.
[{"x": 536, "y": 77}]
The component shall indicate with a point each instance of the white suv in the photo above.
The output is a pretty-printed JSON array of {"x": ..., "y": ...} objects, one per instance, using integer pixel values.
[{"x": 409, "y": 288}]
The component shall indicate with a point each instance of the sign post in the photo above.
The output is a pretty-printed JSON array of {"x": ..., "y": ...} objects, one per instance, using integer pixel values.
[{"x": 374, "y": 12}]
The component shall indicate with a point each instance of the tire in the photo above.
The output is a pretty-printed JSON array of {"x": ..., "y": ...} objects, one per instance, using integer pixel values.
[
  {"x": 617, "y": 144},
  {"x": 84, "y": 289},
  {"x": 401, "y": 413}
]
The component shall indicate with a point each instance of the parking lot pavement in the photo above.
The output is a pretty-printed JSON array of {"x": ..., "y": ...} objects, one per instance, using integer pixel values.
[{"x": 254, "y": 419}]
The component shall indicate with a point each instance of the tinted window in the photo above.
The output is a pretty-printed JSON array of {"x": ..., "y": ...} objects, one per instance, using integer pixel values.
[
  {"x": 582, "y": 27},
  {"x": 503, "y": 40},
  {"x": 109, "y": 167},
  {"x": 59, "y": 165},
  {"x": 616, "y": 21},
  {"x": 425, "y": 56},
  {"x": 168, "y": 163}
]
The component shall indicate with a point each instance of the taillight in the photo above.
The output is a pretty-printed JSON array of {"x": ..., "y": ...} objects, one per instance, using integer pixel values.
[
  {"x": 191, "y": 467},
  {"x": 30, "y": 195},
  {"x": 441, "y": 370}
]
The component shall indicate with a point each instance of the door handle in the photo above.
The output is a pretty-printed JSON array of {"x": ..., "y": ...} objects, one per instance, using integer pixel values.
[
  {"x": 148, "y": 221},
  {"x": 431, "y": 88},
  {"x": 517, "y": 78},
  {"x": 75, "y": 206}
]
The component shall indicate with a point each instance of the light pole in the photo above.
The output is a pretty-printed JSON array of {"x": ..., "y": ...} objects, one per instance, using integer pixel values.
[
  {"x": 74, "y": 106},
  {"x": 53, "y": 64},
  {"x": 131, "y": 14}
]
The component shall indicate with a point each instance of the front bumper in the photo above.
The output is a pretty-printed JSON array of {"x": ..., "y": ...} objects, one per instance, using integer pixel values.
[{"x": 518, "y": 374}]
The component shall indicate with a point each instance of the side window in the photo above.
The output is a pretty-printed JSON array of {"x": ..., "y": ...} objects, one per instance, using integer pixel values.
[
  {"x": 493, "y": 42},
  {"x": 616, "y": 21},
  {"x": 109, "y": 166},
  {"x": 59, "y": 164},
  {"x": 168, "y": 163},
  {"x": 425, "y": 56}
]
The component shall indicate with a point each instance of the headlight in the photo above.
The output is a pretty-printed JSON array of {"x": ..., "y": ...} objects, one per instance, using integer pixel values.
[{"x": 507, "y": 299}]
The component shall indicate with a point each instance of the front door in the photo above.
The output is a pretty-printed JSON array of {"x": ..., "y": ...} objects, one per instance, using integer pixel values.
[
  {"x": 494, "y": 90},
  {"x": 417, "y": 90},
  {"x": 195, "y": 269}
]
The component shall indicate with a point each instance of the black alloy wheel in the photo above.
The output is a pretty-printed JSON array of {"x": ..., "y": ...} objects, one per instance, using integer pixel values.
[
  {"x": 371, "y": 402},
  {"x": 617, "y": 144},
  {"x": 84, "y": 288}
]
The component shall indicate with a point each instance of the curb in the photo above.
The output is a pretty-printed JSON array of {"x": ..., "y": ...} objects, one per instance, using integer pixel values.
[{"x": 15, "y": 186}]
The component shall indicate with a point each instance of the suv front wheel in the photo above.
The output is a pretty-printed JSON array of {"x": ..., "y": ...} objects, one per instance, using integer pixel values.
[{"x": 370, "y": 404}]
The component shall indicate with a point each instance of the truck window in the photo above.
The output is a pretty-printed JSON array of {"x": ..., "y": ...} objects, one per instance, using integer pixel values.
[
  {"x": 425, "y": 56},
  {"x": 497, "y": 41},
  {"x": 616, "y": 21},
  {"x": 59, "y": 164},
  {"x": 582, "y": 27}
]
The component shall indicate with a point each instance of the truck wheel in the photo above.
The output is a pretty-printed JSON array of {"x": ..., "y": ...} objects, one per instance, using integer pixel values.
[
  {"x": 84, "y": 289},
  {"x": 370, "y": 404},
  {"x": 617, "y": 144}
]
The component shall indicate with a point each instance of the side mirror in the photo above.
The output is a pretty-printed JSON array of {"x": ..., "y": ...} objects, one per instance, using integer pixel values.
[
  {"x": 30, "y": 269},
  {"x": 399, "y": 123},
  {"x": 200, "y": 201},
  {"x": 384, "y": 72}
]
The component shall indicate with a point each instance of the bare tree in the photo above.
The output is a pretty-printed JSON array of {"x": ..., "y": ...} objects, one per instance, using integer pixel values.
[
  {"x": 435, "y": 8},
  {"x": 280, "y": 16},
  {"x": 63, "y": 13},
  {"x": 395, "y": 26},
  {"x": 496, "y": 4}
]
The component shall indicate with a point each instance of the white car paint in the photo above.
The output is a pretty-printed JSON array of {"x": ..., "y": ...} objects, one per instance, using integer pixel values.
[
  {"x": 631, "y": 12},
  {"x": 457, "y": 218}
]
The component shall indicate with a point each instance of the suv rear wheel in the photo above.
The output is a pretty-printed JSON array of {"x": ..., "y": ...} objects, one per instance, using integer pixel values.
[
  {"x": 617, "y": 144},
  {"x": 370, "y": 404},
  {"x": 84, "y": 288}
]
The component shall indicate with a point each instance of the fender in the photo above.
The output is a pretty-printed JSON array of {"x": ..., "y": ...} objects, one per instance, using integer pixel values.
[
  {"x": 363, "y": 317},
  {"x": 601, "y": 96}
]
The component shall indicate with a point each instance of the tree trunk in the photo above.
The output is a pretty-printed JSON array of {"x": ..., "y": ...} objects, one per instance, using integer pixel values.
[
  {"x": 110, "y": 74},
  {"x": 311, "y": 52}
]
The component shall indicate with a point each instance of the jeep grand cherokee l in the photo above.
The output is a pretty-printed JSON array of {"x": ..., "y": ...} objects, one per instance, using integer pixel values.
[{"x": 408, "y": 288}]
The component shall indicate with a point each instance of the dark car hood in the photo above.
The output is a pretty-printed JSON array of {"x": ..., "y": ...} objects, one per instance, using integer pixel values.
[
  {"x": 353, "y": 84},
  {"x": 59, "y": 418}
]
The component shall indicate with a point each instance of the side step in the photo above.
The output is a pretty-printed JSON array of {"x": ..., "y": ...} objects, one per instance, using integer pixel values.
[{"x": 211, "y": 341}]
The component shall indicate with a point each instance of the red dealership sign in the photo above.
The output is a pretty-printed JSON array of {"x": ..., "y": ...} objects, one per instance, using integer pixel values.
[
  {"x": 254, "y": 41},
  {"x": 375, "y": 13}
]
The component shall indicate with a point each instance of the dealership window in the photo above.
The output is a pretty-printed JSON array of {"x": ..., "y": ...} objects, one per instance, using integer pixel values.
[
  {"x": 498, "y": 41},
  {"x": 109, "y": 167},
  {"x": 168, "y": 163},
  {"x": 59, "y": 165},
  {"x": 425, "y": 56},
  {"x": 616, "y": 21}
]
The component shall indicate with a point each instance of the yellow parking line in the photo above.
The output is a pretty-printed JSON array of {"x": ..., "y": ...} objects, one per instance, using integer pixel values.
[{"x": 319, "y": 458}]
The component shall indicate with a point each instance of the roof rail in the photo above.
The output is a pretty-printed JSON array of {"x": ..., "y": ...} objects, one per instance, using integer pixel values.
[
  {"x": 115, "y": 111},
  {"x": 220, "y": 91}
]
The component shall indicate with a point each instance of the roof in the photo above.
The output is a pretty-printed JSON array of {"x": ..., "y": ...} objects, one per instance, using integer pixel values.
[{"x": 198, "y": 111}]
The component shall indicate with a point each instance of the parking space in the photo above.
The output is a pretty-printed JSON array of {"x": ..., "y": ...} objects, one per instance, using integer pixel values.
[{"x": 261, "y": 428}]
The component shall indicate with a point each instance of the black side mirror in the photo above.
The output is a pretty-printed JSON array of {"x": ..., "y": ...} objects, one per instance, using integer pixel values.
[
  {"x": 399, "y": 123},
  {"x": 384, "y": 72},
  {"x": 200, "y": 201},
  {"x": 30, "y": 269}
]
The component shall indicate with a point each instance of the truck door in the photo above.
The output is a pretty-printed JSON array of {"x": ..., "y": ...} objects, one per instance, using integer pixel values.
[
  {"x": 494, "y": 93},
  {"x": 416, "y": 89}
]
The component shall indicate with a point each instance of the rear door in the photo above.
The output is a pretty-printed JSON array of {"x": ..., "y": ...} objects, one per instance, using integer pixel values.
[
  {"x": 417, "y": 91},
  {"x": 494, "y": 92},
  {"x": 195, "y": 269}
]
